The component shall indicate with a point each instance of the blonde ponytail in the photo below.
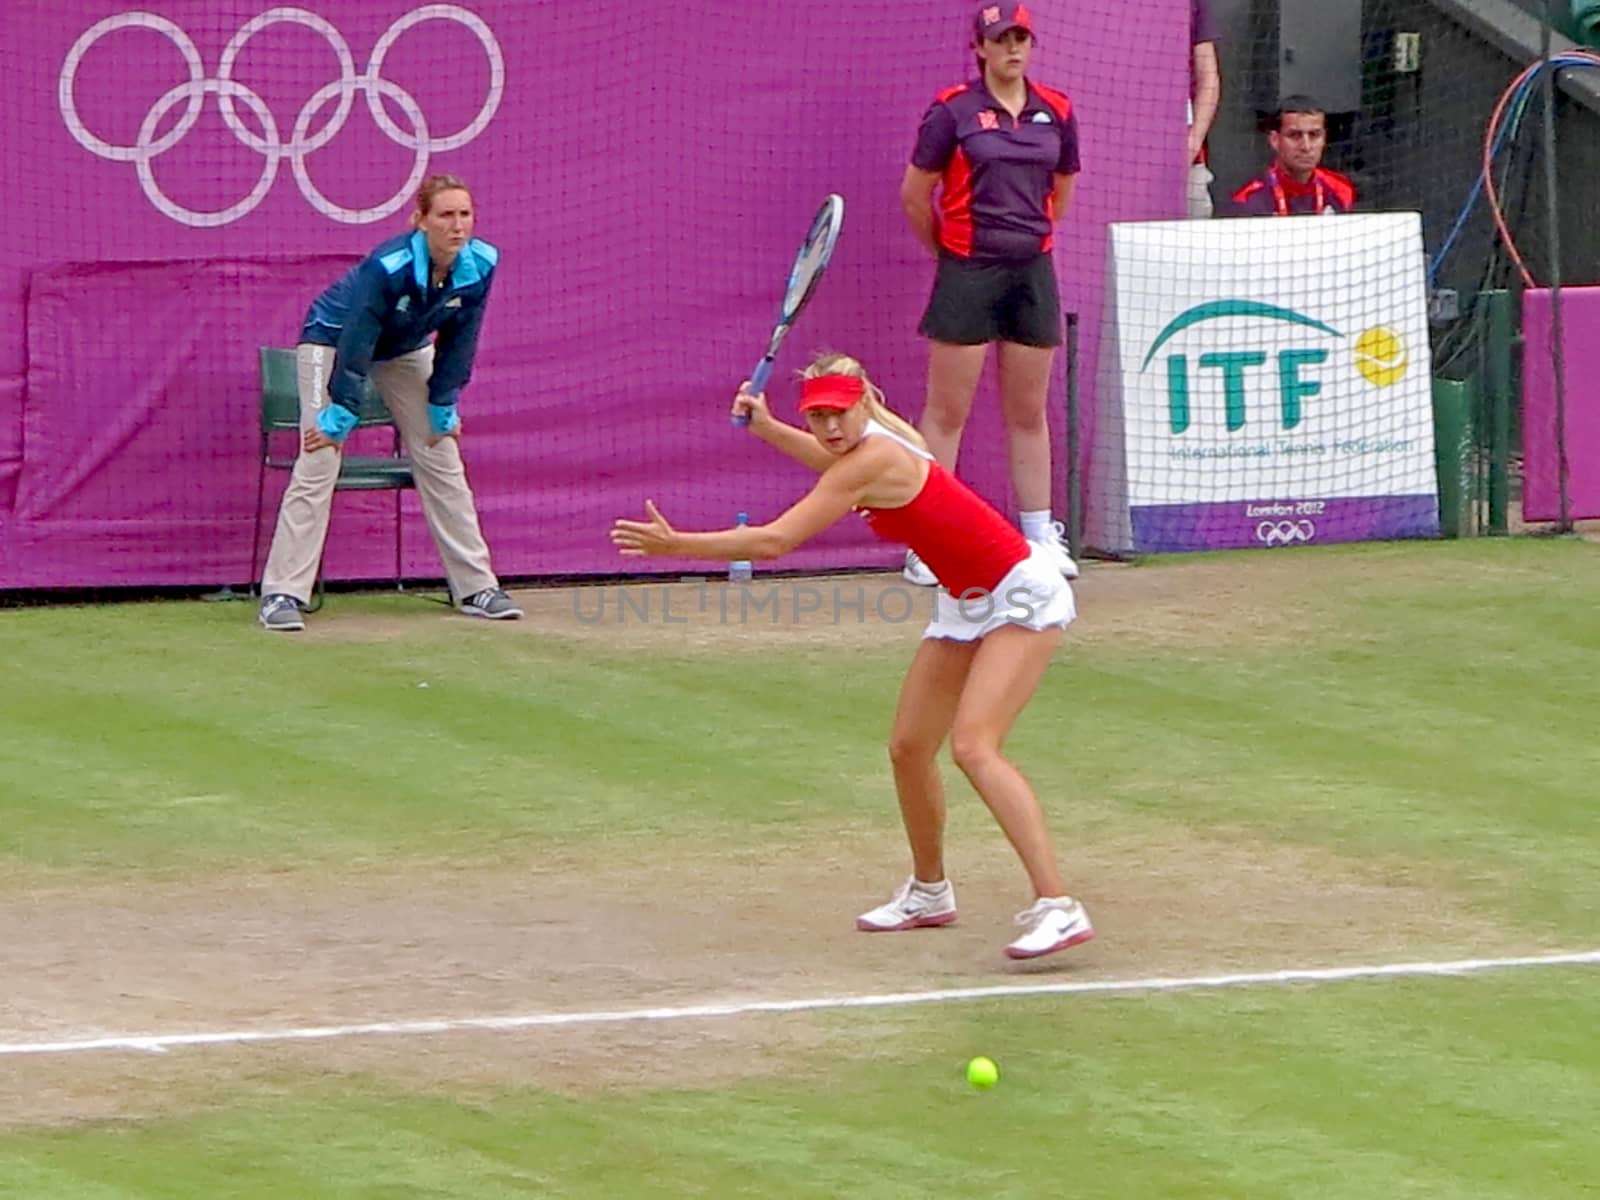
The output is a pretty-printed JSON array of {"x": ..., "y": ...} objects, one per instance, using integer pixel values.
[{"x": 829, "y": 363}]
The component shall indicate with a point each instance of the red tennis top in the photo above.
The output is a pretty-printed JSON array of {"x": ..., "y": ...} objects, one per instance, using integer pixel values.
[{"x": 964, "y": 541}]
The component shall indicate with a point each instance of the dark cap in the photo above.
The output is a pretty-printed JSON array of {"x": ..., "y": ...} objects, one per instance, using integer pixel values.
[{"x": 994, "y": 21}]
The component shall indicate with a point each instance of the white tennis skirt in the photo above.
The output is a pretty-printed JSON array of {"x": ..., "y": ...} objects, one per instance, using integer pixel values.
[{"x": 1033, "y": 594}]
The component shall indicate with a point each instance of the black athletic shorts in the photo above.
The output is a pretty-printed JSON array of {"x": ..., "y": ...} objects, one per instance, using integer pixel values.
[{"x": 976, "y": 301}]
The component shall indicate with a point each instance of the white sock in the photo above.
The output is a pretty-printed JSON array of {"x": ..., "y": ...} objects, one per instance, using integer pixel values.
[
  {"x": 931, "y": 889},
  {"x": 1037, "y": 525}
]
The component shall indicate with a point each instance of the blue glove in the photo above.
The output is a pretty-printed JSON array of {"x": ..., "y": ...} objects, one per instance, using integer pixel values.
[
  {"x": 336, "y": 421},
  {"x": 443, "y": 419}
]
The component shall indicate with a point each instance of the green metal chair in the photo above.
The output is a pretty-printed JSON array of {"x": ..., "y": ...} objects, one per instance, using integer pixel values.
[{"x": 280, "y": 416}]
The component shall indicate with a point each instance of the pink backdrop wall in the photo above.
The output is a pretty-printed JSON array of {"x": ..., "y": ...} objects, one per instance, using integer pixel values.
[
  {"x": 1541, "y": 485},
  {"x": 645, "y": 169}
]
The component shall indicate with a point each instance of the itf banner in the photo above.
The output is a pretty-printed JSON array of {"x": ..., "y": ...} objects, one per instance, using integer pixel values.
[{"x": 1265, "y": 382}]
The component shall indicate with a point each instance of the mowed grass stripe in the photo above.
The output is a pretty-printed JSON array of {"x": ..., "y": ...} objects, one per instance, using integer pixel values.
[
  {"x": 1480, "y": 1087},
  {"x": 1440, "y": 717}
]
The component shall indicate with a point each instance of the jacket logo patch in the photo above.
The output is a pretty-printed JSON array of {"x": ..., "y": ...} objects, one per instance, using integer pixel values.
[
  {"x": 404, "y": 305},
  {"x": 987, "y": 120},
  {"x": 1041, "y": 118},
  {"x": 453, "y": 302}
]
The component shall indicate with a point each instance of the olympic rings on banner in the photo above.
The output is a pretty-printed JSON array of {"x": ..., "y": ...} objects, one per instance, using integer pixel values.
[
  {"x": 1285, "y": 533},
  {"x": 268, "y": 143}
]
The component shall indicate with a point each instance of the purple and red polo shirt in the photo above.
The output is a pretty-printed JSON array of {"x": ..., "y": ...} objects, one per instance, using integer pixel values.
[
  {"x": 998, "y": 172},
  {"x": 1271, "y": 194}
]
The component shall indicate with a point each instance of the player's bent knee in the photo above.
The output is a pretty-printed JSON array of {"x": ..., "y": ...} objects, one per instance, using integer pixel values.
[
  {"x": 911, "y": 750},
  {"x": 973, "y": 751}
]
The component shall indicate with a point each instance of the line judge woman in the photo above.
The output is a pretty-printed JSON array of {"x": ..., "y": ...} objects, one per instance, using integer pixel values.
[
  {"x": 1002, "y": 154},
  {"x": 407, "y": 317}
]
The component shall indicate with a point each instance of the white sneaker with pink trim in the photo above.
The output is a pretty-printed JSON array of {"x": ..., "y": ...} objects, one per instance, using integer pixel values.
[
  {"x": 1052, "y": 923},
  {"x": 916, "y": 905}
]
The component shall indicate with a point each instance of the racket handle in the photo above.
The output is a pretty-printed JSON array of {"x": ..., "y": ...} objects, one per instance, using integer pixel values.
[
  {"x": 758, "y": 384},
  {"x": 759, "y": 377}
]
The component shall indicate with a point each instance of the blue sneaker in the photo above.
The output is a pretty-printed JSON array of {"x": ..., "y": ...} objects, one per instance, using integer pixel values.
[
  {"x": 281, "y": 614},
  {"x": 492, "y": 603}
]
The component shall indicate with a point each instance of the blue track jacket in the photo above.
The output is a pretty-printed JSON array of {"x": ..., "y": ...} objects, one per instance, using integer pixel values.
[{"x": 383, "y": 308}]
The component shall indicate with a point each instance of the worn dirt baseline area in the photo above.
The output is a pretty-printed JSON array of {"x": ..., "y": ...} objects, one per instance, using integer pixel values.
[
  {"x": 453, "y": 942},
  {"x": 1272, "y": 597}
]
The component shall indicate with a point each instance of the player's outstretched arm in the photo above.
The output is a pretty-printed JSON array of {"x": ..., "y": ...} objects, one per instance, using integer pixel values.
[
  {"x": 797, "y": 443},
  {"x": 841, "y": 488}
]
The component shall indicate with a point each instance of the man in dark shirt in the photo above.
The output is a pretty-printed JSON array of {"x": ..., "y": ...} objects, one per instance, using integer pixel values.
[{"x": 1296, "y": 183}]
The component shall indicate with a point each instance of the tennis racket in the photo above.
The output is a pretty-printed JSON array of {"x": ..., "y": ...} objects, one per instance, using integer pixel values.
[{"x": 803, "y": 276}]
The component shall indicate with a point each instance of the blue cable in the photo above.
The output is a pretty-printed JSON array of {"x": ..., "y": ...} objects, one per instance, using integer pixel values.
[{"x": 1519, "y": 102}]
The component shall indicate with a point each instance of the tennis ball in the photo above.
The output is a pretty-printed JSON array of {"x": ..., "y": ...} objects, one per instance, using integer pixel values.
[
  {"x": 1381, "y": 357},
  {"x": 982, "y": 1073}
]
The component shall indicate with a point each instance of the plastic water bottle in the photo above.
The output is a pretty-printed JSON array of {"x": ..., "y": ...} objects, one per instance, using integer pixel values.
[{"x": 740, "y": 570}]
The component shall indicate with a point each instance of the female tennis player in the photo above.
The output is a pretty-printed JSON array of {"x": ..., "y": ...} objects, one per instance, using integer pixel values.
[{"x": 1002, "y": 613}]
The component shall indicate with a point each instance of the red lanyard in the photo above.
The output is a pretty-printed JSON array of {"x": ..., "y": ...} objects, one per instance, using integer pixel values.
[{"x": 1282, "y": 198}]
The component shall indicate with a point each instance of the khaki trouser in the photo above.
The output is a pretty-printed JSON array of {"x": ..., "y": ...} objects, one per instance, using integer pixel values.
[{"x": 441, "y": 481}]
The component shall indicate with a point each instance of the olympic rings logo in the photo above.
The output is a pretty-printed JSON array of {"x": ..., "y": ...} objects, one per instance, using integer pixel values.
[
  {"x": 269, "y": 144},
  {"x": 1285, "y": 533}
]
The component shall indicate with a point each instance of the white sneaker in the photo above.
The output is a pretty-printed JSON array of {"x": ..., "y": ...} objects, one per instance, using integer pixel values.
[
  {"x": 916, "y": 571},
  {"x": 1055, "y": 545},
  {"x": 1052, "y": 923},
  {"x": 915, "y": 906}
]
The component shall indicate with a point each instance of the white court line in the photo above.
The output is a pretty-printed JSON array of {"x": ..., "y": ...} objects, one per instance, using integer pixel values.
[{"x": 161, "y": 1043}]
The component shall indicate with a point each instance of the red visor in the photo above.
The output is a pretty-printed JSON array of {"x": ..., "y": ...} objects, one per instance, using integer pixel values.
[{"x": 837, "y": 392}]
